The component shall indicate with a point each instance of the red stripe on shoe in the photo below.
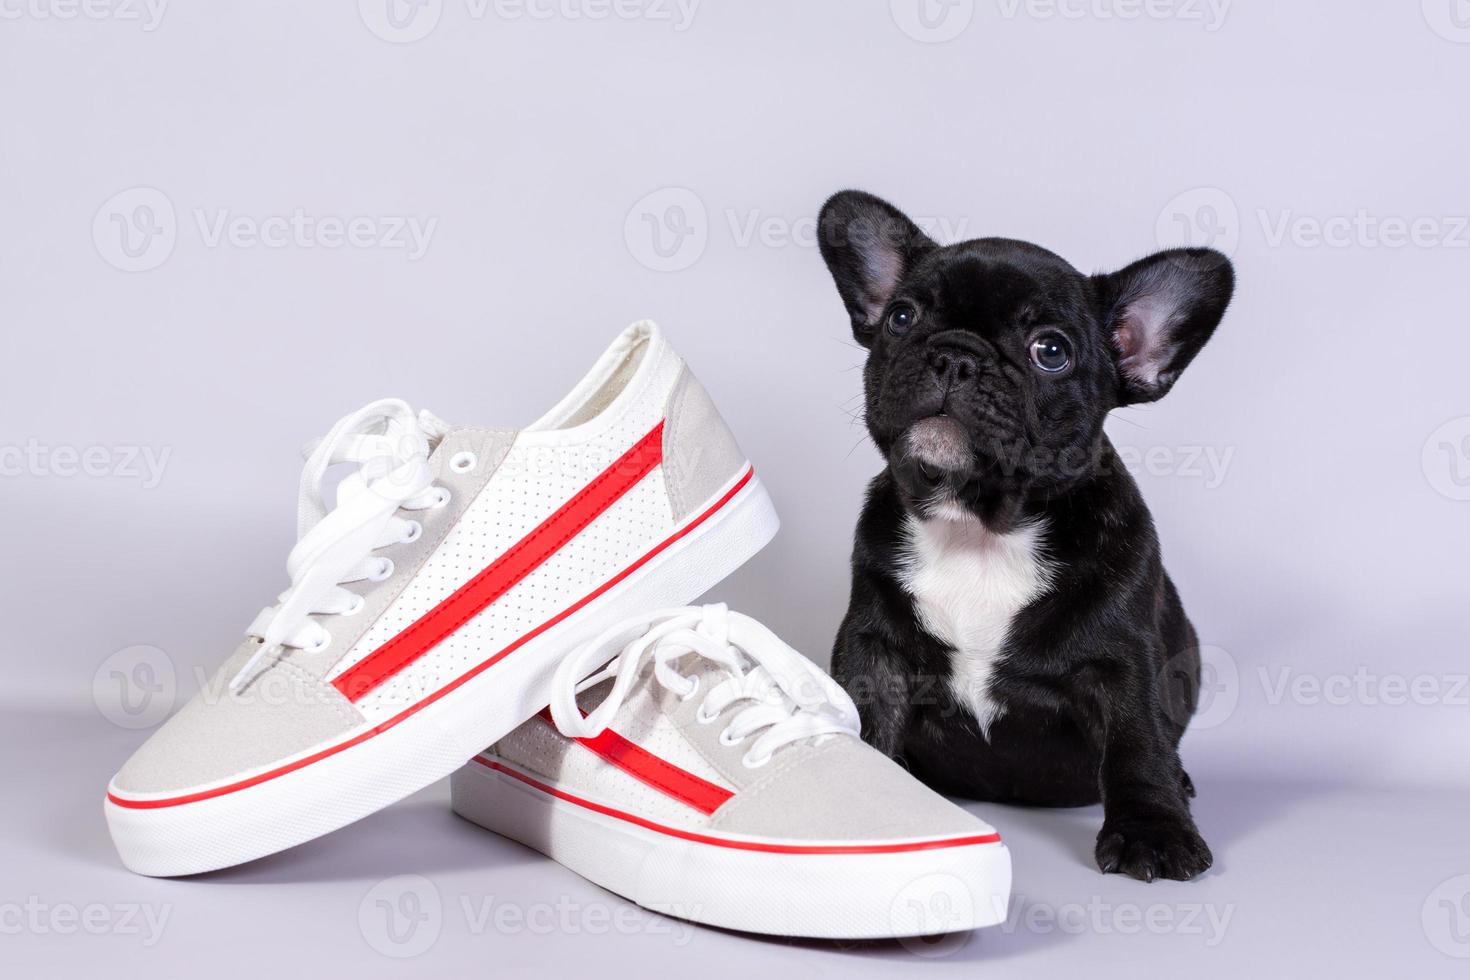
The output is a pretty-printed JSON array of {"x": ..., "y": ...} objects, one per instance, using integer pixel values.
[
  {"x": 741, "y": 845},
  {"x": 649, "y": 769},
  {"x": 464, "y": 678},
  {"x": 505, "y": 572}
]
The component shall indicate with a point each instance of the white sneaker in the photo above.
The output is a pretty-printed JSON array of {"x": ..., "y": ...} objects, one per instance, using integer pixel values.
[
  {"x": 430, "y": 606},
  {"x": 712, "y": 773}
]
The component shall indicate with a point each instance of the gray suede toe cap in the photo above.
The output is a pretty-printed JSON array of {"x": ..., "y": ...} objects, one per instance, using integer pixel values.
[
  {"x": 219, "y": 735},
  {"x": 846, "y": 790}
]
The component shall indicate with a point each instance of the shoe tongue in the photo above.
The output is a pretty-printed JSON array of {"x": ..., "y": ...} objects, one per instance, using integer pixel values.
[
  {"x": 647, "y": 695},
  {"x": 708, "y": 671},
  {"x": 434, "y": 427},
  {"x": 590, "y": 699}
]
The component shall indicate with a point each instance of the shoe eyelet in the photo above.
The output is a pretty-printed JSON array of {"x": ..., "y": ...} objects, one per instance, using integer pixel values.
[
  {"x": 727, "y": 739},
  {"x": 693, "y": 690},
  {"x": 750, "y": 763},
  {"x": 322, "y": 644},
  {"x": 444, "y": 497},
  {"x": 358, "y": 602},
  {"x": 705, "y": 717},
  {"x": 415, "y": 531},
  {"x": 383, "y": 572},
  {"x": 463, "y": 462}
]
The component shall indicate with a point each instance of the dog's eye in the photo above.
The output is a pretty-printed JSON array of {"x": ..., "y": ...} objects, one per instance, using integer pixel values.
[
  {"x": 903, "y": 316},
  {"x": 1051, "y": 352}
]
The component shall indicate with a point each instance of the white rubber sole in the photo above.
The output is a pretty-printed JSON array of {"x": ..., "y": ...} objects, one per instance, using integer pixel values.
[
  {"x": 885, "y": 895},
  {"x": 333, "y": 785}
]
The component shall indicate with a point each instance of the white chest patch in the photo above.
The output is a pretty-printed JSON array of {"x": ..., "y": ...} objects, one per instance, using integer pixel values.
[{"x": 968, "y": 583}]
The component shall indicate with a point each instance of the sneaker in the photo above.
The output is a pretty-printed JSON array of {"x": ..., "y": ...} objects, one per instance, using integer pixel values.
[
  {"x": 432, "y": 598},
  {"x": 712, "y": 773}
]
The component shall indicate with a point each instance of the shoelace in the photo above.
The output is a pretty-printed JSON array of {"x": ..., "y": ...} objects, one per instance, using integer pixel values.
[
  {"x": 335, "y": 547},
  {"x": 787, "y": 697}
]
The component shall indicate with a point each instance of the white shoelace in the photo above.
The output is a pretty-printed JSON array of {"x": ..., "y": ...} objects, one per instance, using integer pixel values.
[
  {"x": 335, "y": 547},
  {"x": 788, "y": 698}
]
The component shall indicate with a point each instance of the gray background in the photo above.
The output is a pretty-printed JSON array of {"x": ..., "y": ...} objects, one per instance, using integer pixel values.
[{"x": 1309, "y": 475}]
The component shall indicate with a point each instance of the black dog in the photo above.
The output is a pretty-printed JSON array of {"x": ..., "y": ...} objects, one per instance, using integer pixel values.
[{"x": 1012, "y": 634}]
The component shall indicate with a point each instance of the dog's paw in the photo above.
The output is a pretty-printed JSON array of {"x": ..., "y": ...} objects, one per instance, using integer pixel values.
[{"x": 1160, "y": 847}]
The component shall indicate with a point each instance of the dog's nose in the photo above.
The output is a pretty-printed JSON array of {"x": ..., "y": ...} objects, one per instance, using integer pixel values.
[{"x": 952, "y": 365}]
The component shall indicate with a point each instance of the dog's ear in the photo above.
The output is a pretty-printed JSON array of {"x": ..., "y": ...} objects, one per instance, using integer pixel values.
[
  {"x": 869, "y": 246},
  {"x": 1159, "y": 312}
]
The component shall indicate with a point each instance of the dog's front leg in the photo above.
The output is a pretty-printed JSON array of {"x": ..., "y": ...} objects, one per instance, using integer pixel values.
[
  {"x": 1147, "y": 830},
  {"x": 874, "y": 676}
]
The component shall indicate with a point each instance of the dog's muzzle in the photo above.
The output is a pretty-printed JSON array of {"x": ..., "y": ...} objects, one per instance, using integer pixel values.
[{"x": 934, "y": 453}]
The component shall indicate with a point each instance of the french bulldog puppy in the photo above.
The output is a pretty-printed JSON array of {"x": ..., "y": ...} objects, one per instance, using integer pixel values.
[{"x": 1012, "y": 634}]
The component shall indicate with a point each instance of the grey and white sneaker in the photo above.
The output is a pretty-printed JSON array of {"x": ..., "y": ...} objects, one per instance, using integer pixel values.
[
  {"x": 431, "y": 599},
  {"x": 712, "y": 773}
]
